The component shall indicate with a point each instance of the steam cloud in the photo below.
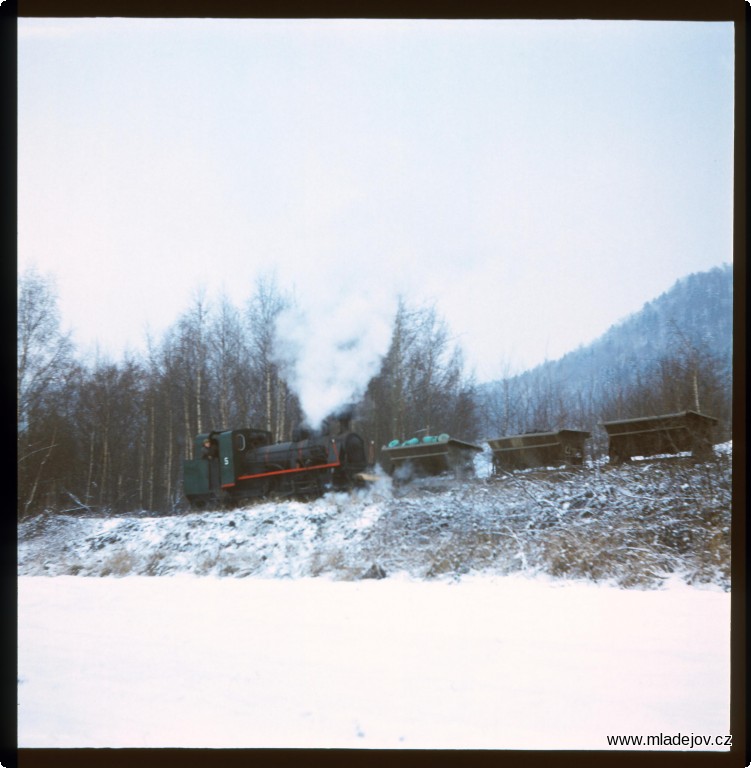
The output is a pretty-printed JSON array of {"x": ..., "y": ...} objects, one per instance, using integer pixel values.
[{"x": 330, "y": 349}]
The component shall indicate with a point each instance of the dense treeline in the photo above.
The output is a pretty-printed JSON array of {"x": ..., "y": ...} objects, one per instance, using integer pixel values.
[{"x": 112, "y": 436}]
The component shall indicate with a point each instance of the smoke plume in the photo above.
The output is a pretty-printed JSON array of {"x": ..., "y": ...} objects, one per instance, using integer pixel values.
[{"x": 329, "y": 349}]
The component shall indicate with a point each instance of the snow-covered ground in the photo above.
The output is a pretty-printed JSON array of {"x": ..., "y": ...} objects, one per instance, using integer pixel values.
[
  {"x": 483, "y": 663},
  {"x": 630, "y": 526},
  {"x": 539, "y": 611}
]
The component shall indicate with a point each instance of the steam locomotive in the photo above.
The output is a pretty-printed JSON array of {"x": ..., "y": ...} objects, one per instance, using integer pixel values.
[{"x": 237, "y": 464}]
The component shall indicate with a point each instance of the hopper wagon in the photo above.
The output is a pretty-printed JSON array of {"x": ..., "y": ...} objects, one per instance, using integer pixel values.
[
  {"x": 538, "y": 449},
  {"x": 430, "y": 455},
  {"x": 665, "y": 434}
]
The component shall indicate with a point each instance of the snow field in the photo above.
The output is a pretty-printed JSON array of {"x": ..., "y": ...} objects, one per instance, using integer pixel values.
[{"x": 480, "y": 663}]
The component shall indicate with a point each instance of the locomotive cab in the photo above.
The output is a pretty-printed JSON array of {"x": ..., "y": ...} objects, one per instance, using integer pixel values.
[{"x": 216, "y": 455}]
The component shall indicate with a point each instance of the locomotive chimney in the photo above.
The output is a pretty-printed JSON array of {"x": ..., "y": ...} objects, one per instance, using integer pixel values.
[{"x": 344, "y": 420}]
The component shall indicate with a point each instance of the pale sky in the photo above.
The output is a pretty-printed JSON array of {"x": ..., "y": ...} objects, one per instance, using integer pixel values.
[{"x": 537, "y": 180}]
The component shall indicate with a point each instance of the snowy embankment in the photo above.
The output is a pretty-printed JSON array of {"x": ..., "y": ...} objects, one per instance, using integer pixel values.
[
  {"x": 502, "y": 623},
  {"x": 630, "y": 526}
]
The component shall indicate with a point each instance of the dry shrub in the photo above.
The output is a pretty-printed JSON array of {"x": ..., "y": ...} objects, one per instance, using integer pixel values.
[
  {"x": 119, "y": 563},
  {"x": 333, "y": 562},
  {"x": 153, "y": 564}
]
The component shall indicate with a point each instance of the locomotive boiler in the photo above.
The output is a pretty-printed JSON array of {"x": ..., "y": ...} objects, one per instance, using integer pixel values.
[{"x": 233, "y": 465}]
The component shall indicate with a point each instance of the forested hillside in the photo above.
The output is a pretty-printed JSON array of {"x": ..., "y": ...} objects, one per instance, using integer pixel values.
[{"x": 674, "y": 354}]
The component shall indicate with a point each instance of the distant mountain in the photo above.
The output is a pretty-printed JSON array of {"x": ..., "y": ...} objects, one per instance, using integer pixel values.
[{"x": 674, "y": 354}]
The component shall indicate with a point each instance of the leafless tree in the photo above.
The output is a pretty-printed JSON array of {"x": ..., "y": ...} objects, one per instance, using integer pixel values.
[
  {"x": 421, "y": 386},
  {"x": 274, "y": 403},
  {"x": 44, "y": 360},
  {"x": 230, "y": 368}
]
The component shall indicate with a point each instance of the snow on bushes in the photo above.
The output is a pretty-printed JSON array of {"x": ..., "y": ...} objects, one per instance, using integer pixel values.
[{"x": 631, "y": 525}]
